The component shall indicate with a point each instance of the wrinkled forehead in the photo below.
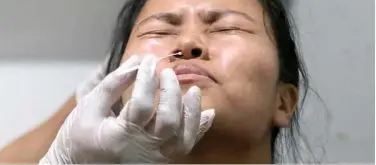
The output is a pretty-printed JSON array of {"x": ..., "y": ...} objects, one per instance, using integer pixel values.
[{"x": 199, "y": 7}]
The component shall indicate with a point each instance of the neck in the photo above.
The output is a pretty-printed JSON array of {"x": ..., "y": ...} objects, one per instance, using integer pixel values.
[{"x": 216, "y": 149}]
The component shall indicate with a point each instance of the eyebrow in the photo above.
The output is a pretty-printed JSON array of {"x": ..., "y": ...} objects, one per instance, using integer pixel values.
[
  {"x": 221, "y": 13},
  {"x": 176, "y": 19},
  {"x": 171, "y": 18}
]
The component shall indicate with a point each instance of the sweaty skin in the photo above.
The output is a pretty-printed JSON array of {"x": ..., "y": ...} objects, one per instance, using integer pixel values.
[
  {"x": 241, "y": 57},
  {"x": 237, "y": 51}
]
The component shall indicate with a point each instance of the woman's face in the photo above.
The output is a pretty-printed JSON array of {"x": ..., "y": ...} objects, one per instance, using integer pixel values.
[{"x": 231, "y": 44}]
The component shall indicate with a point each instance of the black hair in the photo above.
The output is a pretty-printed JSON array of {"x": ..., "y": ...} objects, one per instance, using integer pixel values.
[
  {"x": 291, "y": 67},
  {"x": 292, "y": 70}
]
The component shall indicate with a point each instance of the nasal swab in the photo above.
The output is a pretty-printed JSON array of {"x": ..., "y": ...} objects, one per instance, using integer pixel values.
[
  {"x": 161, "y": 58},
  {"x": 173, "y": 54}
]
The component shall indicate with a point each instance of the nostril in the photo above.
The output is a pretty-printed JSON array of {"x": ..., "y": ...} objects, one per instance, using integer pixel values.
[{"x": 196, "y": 52}]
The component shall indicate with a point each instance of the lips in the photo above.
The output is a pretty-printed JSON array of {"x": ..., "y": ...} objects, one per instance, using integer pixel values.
[{"x": 190, "y": 73}]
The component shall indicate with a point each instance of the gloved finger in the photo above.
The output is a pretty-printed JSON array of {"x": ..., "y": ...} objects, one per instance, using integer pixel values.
[
  {"x": 206, "y": 121},
  {"x": 99, "y": 101},
  {"x": 170, "y": 105},
  {"x": 192, "y": 115},
  {"x": 100, "y": 73},
  {"x": 141, "y": 104},
  {"x": 93, "y": 80}
]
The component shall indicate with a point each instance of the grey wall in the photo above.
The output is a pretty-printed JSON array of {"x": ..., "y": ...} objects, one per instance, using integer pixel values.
[
  {"x": 336, "y": 42},
  {"x": 56, "y": 30}
]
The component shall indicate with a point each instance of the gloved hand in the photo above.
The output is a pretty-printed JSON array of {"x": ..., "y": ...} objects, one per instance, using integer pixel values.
[
  {"x": 92, "y": 134},
  {"x": 93, "y": 80}
]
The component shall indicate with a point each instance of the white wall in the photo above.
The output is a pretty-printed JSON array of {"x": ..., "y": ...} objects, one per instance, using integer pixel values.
[
  {"x": 47, "y": 47},
  {"x": 32, "y": 91}
]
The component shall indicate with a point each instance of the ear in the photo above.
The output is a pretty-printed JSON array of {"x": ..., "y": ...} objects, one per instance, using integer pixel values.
[{"x": 287, "y": 103}]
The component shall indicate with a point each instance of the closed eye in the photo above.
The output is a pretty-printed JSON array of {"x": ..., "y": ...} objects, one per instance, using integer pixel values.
[
  {"x": 157, "y": 33},
  {"x": 229, "y": 30}
]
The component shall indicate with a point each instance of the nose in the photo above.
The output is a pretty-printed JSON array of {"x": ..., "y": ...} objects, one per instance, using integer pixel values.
[{"x": 192, "y": 47}]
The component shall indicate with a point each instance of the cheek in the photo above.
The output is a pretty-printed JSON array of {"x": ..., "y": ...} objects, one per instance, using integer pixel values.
[
  {"x": 248, "y": 87},
  {"x": 146, "y": 47},
  {"x": 253, "y": 54},
  {"x": 251, "y": 81},
  {"x": 255, "y": 60}
]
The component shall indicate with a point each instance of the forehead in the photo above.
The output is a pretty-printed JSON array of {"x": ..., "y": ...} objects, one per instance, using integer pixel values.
[{"x": 250, "y": 7}]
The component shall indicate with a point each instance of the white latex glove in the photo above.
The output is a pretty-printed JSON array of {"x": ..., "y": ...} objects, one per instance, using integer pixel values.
[
  {"x": 93, "y": 80},
  {"x": 92, "y": 134}
]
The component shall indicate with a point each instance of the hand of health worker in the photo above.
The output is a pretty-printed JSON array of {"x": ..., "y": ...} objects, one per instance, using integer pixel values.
[
  {"x": 93, "y": 80},
  {"x": 92, "y": 134}
]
